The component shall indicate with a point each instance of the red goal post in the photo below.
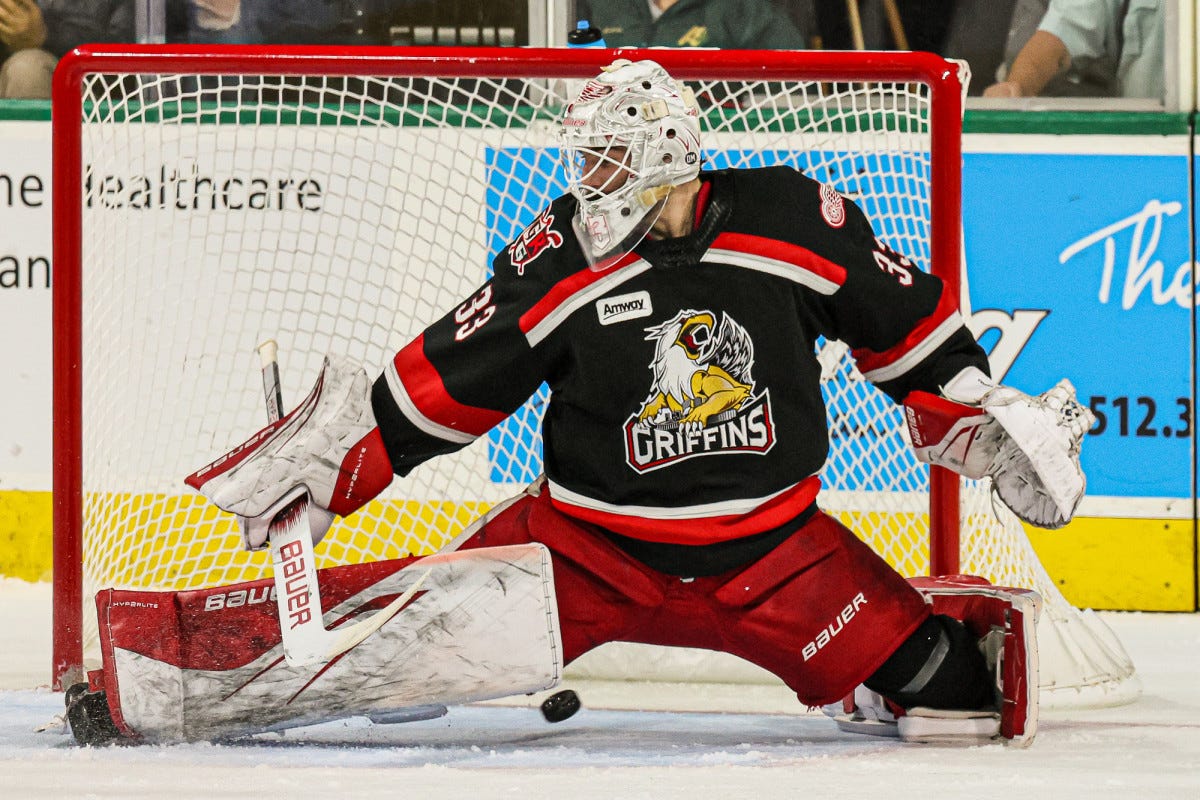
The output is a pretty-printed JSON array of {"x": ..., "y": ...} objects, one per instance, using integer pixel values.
[{"x": 157, "y": 304}]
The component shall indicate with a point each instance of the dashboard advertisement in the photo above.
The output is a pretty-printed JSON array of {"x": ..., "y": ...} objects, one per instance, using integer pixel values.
[
  {"x": 25, "y": 318},
  {"x": 1079, "y": 268}
]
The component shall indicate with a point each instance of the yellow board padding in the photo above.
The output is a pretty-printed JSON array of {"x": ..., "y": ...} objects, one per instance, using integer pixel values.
[
  {"x": 1104, "y": 563},
  {"x": 1121, "y": 564},
  {"x": 894, "y": 535},
  {"x": 25, "y": 535},
  {"x": 185, "y": 542}
]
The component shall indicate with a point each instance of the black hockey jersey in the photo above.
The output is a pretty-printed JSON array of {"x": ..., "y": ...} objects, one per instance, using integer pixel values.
[{"x": 685, "y": 399}]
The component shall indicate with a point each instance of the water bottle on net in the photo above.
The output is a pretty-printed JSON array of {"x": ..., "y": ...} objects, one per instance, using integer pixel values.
[{"x": 585, "y": 34}]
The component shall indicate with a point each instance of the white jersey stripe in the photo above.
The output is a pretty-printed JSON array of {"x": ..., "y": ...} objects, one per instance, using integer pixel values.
[
  {"x": 719, "y": 509},
  {"x": 413, "y": 415},
  {"x": 583, "y": 297},
  {"x": 780, "y": 269},
  {"x": 914, "y": 356}
]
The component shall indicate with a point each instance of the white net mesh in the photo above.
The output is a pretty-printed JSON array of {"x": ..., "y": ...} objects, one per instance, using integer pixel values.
[{"x": 345, "y": 214}]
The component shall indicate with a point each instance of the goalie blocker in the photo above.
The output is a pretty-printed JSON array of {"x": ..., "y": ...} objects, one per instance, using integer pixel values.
[{"x": 208, "y": 664}]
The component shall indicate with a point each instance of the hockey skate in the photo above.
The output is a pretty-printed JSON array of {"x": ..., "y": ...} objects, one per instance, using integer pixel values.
[
  {"x": 1005, "y": 621},
  {"x": 870, "y": 713}
]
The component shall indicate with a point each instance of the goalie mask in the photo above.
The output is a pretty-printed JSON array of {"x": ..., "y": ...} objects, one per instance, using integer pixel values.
[{"x": 630, "y": 135}]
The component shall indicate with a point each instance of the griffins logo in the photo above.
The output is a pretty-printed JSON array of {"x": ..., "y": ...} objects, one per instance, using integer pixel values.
[
  {"x": 534, "y": 240},
  {"x": 703, "y": 399}
]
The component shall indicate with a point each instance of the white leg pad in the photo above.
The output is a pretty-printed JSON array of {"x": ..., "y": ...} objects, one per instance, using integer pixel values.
[{"x": 208, "y": 664}]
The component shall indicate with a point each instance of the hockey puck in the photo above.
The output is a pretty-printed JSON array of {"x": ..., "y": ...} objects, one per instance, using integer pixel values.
[
  {"x": 89, "y": 718},
  {"x": 560, "y": 705}
]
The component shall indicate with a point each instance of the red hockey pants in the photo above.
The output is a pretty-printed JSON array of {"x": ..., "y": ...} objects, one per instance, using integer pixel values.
[{"x": 822, "y": 610}]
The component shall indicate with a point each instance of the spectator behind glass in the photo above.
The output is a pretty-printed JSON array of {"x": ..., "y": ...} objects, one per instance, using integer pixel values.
[
  {"x": 33, "y": 38},
  {"x": 1090, "y": 47},
  {"x": 287, "y": 21},
  {"x": 729, "y": 24},
  {"x": 344, "y": 22},
  {"x": 221, "y": 22}
]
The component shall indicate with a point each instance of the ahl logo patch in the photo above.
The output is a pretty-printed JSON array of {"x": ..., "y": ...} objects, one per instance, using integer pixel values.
[
  {"x": 534, "y": 240},
  {"x": 703, "y": 400},
  {"x": 612, "y": 310}
]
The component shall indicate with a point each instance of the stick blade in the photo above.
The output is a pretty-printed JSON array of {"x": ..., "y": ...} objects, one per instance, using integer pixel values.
[{"x": 316, "y": 645}]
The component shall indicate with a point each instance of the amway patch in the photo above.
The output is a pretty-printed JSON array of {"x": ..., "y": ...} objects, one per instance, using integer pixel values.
[{"x": 623, "y": 307}]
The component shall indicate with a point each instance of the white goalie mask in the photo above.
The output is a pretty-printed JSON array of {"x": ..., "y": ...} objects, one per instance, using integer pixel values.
[{"x": 630, "y": 135}]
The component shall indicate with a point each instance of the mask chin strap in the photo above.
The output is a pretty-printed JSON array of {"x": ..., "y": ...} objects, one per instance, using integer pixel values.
[{"x": 655, "y": 194}]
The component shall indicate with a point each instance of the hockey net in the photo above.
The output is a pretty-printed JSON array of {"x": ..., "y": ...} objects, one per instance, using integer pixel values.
[{"x": 209, "y": 199}]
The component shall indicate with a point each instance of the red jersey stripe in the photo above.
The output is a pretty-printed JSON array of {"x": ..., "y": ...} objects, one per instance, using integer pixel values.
[
  {"x": 871, "y": 361},
  {"x": 788, "y": 253},
  {"x": 568, "y": 287},
  {"x": 701, "y": 530},
  {"x": 429, "y": 397}
]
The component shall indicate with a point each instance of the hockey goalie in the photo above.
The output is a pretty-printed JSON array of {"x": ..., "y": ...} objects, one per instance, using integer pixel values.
[{"x": 674, "y": 312}]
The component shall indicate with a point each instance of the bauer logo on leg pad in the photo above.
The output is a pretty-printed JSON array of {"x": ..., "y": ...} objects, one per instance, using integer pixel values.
[{"x": 239, "y": 597}]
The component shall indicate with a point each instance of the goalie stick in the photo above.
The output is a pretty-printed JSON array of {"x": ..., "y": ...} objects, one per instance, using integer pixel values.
[{"x": 306, "y": 641}]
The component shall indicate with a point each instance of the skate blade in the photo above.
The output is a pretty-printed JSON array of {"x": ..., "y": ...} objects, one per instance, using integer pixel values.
[{"x": 949, "y": 727}]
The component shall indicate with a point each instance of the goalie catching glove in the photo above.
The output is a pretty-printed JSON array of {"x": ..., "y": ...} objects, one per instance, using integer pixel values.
[
  {"x": 328, "y": 448},
  {"x": 1029, "y": 446}
]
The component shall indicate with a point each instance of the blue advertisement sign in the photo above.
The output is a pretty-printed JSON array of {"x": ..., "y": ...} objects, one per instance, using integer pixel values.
[{"x": 1079, "y": 267}]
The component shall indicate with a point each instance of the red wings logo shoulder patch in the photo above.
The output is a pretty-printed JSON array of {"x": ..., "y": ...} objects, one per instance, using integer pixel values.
[
  {"x": 703, "y": 400},
  {"x": 534, "y": 240},
  {"x": 833, "y": 206}
]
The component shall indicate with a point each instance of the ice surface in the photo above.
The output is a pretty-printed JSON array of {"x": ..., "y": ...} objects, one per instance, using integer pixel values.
[{"x": 614, "y": 750}]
